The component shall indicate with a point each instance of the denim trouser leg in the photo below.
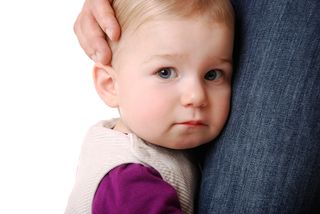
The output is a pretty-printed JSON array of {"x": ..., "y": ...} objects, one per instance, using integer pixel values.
[{"x": 267, "y": 160}]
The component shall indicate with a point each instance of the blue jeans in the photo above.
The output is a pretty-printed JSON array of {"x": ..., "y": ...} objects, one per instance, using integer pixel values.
[{"x": 267, "y": 160}]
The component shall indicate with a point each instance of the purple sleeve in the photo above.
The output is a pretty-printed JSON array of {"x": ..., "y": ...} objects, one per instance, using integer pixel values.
[{"x": 134, "y": 188}]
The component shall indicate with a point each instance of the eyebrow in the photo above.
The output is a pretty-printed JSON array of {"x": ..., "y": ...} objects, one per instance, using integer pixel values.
[
  {"x": 225, "y": 60},
  {"x": 164, "y": 56},
  {"x": 175, "y": 56}
]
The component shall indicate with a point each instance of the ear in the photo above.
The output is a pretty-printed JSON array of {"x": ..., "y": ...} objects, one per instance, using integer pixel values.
[{"x": 104, "y": 78}]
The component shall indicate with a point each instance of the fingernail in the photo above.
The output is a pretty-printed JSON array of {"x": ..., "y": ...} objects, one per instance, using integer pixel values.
[
  {"x": 97, "y": 57},
  {"x": 110, "y": 34},
  {"x": 94, "y": 57}
]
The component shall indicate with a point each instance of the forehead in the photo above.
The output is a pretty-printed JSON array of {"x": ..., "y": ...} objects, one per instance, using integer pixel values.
[
  {"x": 179, "y": 35},
  {"x": 133, "y": 13}
]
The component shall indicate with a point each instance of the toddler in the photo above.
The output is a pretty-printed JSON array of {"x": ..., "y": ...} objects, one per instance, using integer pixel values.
[{"x": 170, "y": 79}]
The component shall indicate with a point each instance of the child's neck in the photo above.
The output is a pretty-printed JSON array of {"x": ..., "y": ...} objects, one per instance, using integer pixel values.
[{"x": 121, "y": 127}]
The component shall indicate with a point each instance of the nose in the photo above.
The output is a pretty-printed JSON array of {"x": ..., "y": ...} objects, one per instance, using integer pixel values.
[{"x": 194, "y": 94}]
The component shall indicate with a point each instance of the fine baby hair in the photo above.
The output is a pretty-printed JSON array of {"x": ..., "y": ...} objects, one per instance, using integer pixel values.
[{"x": 133, "y": 13}]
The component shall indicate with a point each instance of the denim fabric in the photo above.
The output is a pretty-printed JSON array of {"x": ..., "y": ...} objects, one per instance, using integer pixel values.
[{"x": 267, "y": 160}]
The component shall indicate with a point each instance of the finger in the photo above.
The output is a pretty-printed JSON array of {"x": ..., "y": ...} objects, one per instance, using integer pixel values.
[
  {"x": 92, "y": 38},
  {"x": 104, "y": 15}
]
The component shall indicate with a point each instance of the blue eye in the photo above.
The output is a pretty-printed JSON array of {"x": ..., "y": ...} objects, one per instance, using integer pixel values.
[
  {"x": 213, "y": 75},
  {"x": 167, "y": 73}
]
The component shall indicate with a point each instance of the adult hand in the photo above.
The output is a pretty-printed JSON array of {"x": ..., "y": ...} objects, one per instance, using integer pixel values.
[{"x": 95, "y": 21}]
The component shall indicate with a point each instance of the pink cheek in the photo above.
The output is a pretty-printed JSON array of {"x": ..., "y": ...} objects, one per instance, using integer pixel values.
[
  {"x": 224, "y": 112},
  {"x": 155, "y": 107},
  {"x": 221, "y": 108}
]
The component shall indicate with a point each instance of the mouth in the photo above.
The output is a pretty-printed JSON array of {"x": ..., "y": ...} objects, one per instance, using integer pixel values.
[{"x": 192, "y": 123}]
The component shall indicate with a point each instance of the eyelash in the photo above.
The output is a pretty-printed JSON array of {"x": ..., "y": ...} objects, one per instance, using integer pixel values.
[
  {"x": 171, "y": 73},
  {"x": 217, "y": 76},
  {"x": 161, "y": 73}
]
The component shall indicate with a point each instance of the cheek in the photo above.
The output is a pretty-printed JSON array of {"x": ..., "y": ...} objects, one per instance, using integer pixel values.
[
  {"x": 221, "y": 106},
  {"x": 139, "y": 104},
  {"x": 155, "y": 105}
]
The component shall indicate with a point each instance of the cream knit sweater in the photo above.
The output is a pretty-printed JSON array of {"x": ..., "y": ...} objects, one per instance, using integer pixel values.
[{"x": 104, "y": 149}]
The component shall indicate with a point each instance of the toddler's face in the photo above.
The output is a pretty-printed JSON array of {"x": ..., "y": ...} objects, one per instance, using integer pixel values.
[{"x": 173, "y": 81}]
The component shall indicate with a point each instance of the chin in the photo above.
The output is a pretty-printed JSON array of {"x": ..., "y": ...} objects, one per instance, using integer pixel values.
[{"x": 184, "y": 145}]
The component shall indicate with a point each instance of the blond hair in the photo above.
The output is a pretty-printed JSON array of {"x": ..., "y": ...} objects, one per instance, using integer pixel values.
[{"x": 133, "y": 13}]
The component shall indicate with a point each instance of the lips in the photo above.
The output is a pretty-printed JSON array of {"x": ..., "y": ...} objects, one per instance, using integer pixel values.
[{"x": 192, "y": 123}]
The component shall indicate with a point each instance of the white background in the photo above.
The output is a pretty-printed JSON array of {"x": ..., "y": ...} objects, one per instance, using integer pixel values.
[{"x": 47, "y": 103}]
